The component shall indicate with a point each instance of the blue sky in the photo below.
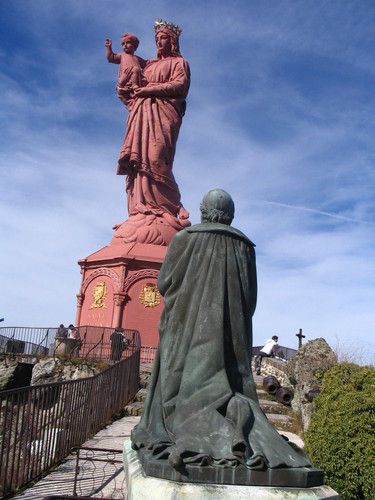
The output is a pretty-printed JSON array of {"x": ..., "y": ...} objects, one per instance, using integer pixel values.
[{"x": 280, "y": 114}]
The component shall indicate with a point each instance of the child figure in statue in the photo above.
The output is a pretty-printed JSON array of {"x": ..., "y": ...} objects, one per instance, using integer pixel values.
[{"x": 130, "y": 71}]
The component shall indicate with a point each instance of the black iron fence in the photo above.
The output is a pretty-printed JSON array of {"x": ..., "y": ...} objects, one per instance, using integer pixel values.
[
  {"x": 282, "y": 352},
  {"x": 99, "y": 472},
  {"x": 148, "y": 353},
  {"x": 26, "y": 340},
  {"x": 94, "y": 343},
  {"x": 98, "y": 343},
  {"x": 39, "y": 425},
  {"x": 91, "y": 342}
]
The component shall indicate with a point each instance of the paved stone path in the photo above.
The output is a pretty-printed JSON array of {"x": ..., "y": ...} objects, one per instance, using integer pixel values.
[{"x": 105, "y": 477}]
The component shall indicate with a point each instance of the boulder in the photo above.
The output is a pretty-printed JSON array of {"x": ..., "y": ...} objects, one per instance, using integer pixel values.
[
  {"x": 7, "y": 373},
  {"x": 50, "y": 370},
  {"x": 276, "y": 367},
  {"x": 304, "y": 372},
  {"x": 14, "y": 374}
]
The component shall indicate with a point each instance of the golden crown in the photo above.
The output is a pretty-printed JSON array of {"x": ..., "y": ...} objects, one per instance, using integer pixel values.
[{"x": 159, "y": 24}]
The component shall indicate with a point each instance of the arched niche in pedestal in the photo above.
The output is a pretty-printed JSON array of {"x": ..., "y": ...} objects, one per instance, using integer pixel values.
[
  {"x": 144, "y": 305},
  {"x": 98, "y": 291}
]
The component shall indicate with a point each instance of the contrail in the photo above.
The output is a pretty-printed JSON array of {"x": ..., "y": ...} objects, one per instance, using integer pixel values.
[{"x": 312, "y": 210}]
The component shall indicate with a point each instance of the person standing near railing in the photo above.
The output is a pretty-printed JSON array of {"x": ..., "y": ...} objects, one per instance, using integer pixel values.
[
  {"x": 117, "y": 344},
  {"x": 73, "y": 333},
  {"x": 62, "y": 332},
  {"x": 268, "y": 351}
]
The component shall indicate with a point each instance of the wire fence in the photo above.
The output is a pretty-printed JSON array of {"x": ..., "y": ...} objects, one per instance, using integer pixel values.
[{"x": 39, "y": 425}]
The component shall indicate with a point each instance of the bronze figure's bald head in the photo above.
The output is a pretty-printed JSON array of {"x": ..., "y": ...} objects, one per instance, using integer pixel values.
[{"x": 217, "y": 206}]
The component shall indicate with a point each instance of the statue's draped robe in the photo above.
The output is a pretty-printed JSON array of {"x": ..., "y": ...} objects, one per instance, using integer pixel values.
[
  {"x": 202, "y": 403},
  {"x": 146, "y": 156}
]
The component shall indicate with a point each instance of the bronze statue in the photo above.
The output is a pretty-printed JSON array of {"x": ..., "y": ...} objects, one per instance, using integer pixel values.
[{"x": 202, "y": 417}]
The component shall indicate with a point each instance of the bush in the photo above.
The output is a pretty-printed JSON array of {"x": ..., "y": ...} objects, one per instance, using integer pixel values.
[{"x": 341, "y": 436}]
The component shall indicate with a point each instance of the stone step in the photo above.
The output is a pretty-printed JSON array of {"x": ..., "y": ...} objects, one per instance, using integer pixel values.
[
  {"x": 258, "y": 379},
  {"x": 134, "y": 409},
  {"x": 276, "y": 418},
  {"x": 145, "y": 368},
  {"x": 269, "y": 406},
  {"x": 275, "y": 410},
  {"x": 283, "y": 423},
  {"x": 144, "y": 379},
  {"x": 294, "y": 438},
  {"x": 141, "y": 395},
  {"x": 268, "y": 402}
]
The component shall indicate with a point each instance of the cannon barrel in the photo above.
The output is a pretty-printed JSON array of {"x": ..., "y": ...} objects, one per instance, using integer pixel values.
[
  {"x": 270, "y": 384},
  {"x": 284, "y": 395}
]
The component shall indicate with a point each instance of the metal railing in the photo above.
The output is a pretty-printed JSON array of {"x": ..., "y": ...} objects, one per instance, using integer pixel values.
[
  {"x": 95, "y": 343},
  {"x": 98, "y": 343},
  {"x": 39, "y": 425},
  {"x": 148, "y": 353},
  {"x": 26, "y": 340},
  {"x": 92, "y": 465},
  {"x": 282, "y": 352}
]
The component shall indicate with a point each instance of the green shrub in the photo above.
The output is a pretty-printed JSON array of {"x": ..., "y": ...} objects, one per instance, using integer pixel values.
[{"x": 341, "y": 437}]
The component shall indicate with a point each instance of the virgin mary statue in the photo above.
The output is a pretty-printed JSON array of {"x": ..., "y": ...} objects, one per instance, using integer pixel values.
[{"x": 155, "y": 110}]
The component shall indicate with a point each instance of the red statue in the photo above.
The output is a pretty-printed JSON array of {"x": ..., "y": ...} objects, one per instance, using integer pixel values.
[{"x": 154, "y": 94}]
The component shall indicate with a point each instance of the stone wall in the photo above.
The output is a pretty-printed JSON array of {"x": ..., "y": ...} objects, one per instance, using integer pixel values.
[
  {"x": 49, "y": 370},
  {"x": 275, "y": 367},
  {"x": 15, "y": 374}
]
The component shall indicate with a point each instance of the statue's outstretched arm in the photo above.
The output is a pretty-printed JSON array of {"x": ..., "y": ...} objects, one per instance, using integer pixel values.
[{"x": 111, "y": 56}]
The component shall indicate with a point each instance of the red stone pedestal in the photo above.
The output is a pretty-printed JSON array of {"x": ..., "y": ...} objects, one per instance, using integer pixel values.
[{"x": 118, "y": 289}]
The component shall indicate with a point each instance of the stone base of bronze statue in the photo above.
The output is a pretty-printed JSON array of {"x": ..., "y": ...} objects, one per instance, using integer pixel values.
[
  {"x": 301, "y": 477},
  {"x": 202, "y": 482}
]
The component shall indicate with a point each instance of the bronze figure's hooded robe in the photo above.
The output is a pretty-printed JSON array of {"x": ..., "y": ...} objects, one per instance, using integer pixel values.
[{"x": 202, "y": 405}]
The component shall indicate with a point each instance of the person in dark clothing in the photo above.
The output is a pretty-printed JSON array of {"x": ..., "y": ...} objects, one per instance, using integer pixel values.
[
  {"x": 62, "y": 332},
  {"x": 117, "y": 344}
]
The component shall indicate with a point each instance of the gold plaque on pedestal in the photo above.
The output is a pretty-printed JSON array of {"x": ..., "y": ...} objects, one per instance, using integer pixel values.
[
  {"x": 99, "y": 294},
  {"x": 150, "y": 295}
]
